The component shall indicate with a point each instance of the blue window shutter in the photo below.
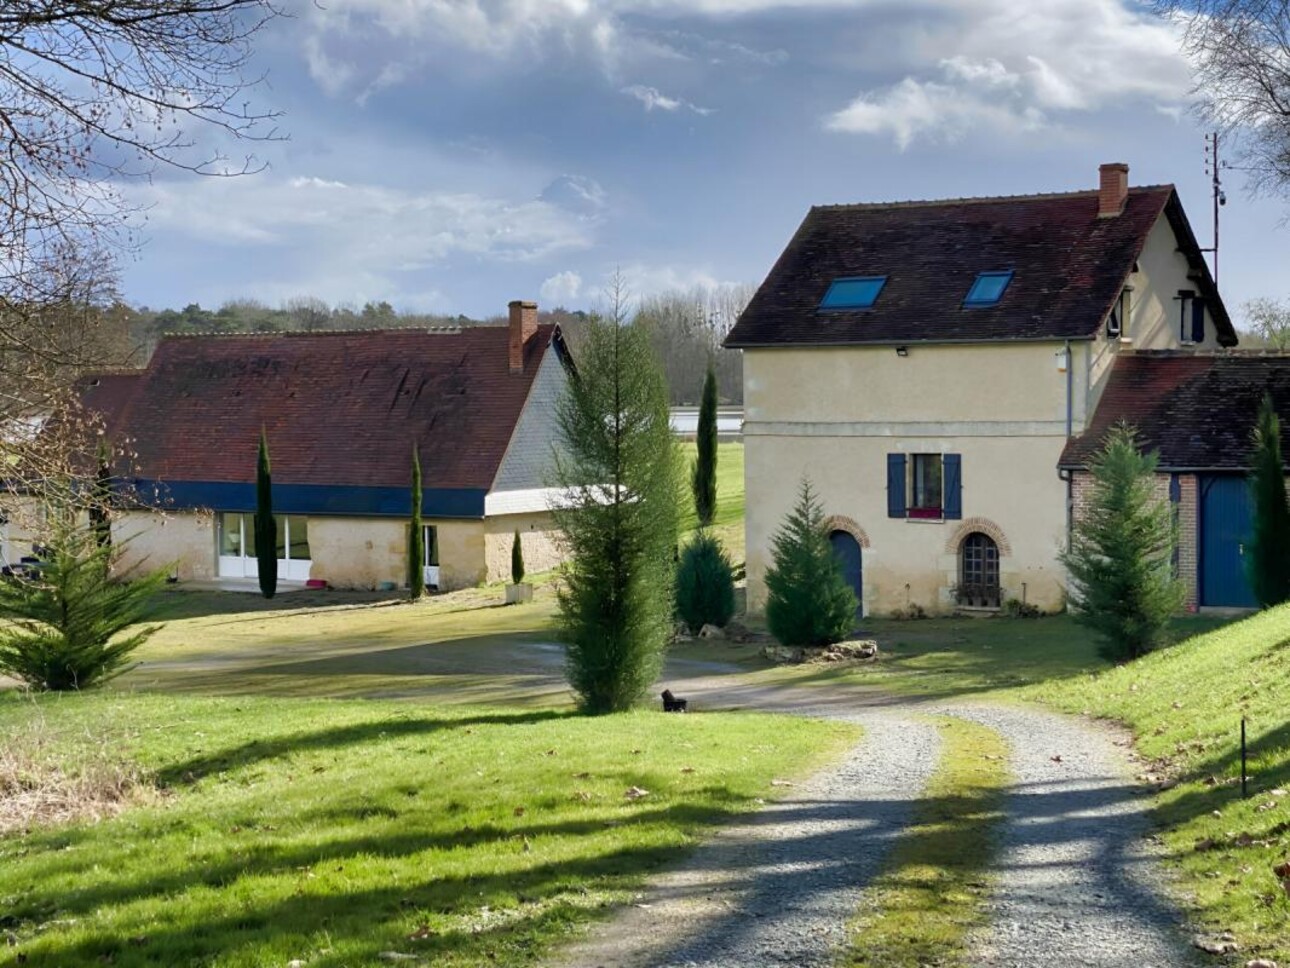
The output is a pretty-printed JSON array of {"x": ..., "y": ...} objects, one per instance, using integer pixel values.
[
  {"x": 895, "y": 485},
  {"x": 1175, "y": 489},
  {"x": 1198, "y": 320},
  {"x": 952, "y": 464}
]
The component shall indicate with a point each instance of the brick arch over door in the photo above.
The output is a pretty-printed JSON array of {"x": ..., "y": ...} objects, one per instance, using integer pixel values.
[
  {"x": 986, "y": 527},
  {"x": 840, "y": 522}
]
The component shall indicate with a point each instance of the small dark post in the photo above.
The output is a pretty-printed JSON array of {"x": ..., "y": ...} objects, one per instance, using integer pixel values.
[{"x": 1244, "y": 783}]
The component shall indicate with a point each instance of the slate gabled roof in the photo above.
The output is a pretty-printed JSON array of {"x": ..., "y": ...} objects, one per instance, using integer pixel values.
[
  {"x": 1196, "y": 409},
  {"x": 1068, "y": 266},
  {"x": 339, "y": 408}
]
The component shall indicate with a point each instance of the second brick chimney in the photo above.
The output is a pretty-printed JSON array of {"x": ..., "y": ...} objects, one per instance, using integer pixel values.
[
  {"x": 523, "y": 324},
  {"x": 1113, "y": 189}
]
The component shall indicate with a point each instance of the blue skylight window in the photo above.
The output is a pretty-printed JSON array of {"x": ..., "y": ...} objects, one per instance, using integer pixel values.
[
  {"x": 988, "y": 288},
  {"x": 853, "y": 292}
]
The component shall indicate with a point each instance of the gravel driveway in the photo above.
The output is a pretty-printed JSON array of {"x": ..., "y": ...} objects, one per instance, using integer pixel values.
[{"x": 1075, "y": 883}]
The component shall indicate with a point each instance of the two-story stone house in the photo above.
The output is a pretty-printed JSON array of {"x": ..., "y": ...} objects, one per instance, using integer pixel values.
[{"x": 925, "y": 365}]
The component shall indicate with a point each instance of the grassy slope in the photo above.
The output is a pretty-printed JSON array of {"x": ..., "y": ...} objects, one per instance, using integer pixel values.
[
  {"x": 728, "y": 524},
  {"x": 1185, "y": 705},
  {"x": 332, "y": 831}
]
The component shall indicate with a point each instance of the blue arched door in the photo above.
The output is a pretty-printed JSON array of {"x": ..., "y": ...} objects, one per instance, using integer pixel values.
[{"x": 847, "y": 549}]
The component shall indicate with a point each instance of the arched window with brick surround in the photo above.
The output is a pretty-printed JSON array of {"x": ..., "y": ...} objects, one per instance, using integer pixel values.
[{"x": 979, "y": 572}]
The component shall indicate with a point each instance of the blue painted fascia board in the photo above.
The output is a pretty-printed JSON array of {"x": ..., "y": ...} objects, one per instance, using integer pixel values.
[{"x": 319, "y": 499}]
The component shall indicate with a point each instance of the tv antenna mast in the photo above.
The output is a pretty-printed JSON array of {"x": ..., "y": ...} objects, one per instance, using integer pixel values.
[{"x": 1213, "y": 168}]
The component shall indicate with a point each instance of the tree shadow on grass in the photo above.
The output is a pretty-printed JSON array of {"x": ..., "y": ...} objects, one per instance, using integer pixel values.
[
  {"x": 514, "y": 911},
  {"x": 257, "y": 751}
]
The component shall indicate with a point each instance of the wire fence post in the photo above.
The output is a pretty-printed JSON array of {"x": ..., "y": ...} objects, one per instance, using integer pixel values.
[{"x": 1245, "y": 793}]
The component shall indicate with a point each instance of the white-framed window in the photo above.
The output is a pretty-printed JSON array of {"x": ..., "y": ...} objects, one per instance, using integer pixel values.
[
  {"x": 1117, "y": 321},
  {"x": 236, "y": 543},
  {"x": 430, "y": 554}
]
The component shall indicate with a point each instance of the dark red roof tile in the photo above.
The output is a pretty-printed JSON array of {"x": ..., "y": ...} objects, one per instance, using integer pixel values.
[
  {"x": 1197, "y": 410},
  {"x": 339, "y": 408},
  {"x": 1068, "y": 266}
]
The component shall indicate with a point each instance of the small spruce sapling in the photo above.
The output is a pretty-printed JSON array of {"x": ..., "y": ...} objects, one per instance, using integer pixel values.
[
  {"x": 809, "y": 602},
  {"x": 705, "y": 584},
  {"x": 1120, "y": 561}
]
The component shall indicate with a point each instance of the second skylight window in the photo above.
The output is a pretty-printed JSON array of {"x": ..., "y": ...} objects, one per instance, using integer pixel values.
[{"x": 988, "y": 288}]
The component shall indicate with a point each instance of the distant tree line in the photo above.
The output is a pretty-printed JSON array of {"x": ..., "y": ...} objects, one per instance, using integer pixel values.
[{"x": 685, "y": 327}]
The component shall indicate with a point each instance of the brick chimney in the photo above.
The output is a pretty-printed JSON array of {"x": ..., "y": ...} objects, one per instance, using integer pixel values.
[
  {"x": 1113, "y": 189},
  {"x": 523, "y": 325}
]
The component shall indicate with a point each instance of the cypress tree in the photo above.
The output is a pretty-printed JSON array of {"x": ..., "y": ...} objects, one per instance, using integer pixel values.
[
  {"x": 704, "y": 479},
  {"x": 266, "y": 528},
  {"x": 809, "y": 602},
  {"x": 617, "y": 466},
  {"x": 517, "y": 560},
  {"x": 1268, "y": 564},
  {"x": 416, "y": 534},
  {"x": 1121, "y": 558}
]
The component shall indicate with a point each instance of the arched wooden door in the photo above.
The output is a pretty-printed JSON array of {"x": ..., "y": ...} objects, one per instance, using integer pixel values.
[{"x": 847, "y": 550}]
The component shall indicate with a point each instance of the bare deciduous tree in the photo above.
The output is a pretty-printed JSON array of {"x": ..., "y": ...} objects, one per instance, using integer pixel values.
[
  {"x": 687, "y": 328},
  {"x": 1269, "y": 323},
  {"x": 92, "y": 94},
  {"x": 1240, "y": 54}
]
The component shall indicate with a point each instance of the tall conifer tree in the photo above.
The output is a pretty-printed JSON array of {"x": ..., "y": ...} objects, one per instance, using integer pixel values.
[
  {"x": 704, "y": 480},
  {"x": 1121, "y": 558},
  {"x": 416, "y": 534},
  {"x": 617, "y": 466},
  {"x": 1269, "y": 561},
  {"x": 266, "y": 527}
]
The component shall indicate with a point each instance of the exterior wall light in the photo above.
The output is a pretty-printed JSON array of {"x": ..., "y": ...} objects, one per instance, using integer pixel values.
[{"x": 902, "y": 350}]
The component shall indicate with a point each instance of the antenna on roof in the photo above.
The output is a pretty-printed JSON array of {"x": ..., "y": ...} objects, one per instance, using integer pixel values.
[{"x": 1213, "y": 168}]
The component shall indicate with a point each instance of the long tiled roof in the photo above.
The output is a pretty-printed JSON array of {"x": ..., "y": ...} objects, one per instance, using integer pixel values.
[
  {"x": 1196, "y": 409},
  {"x": 339, "y": 408},
  {"x": 1068, "y": 266}
]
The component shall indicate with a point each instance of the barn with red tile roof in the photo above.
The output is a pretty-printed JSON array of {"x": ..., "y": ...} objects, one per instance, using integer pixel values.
[{"x": 343, "y": 412}]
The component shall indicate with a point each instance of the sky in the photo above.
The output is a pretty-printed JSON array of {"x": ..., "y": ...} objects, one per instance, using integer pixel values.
[{"x": 452, "y": 155}]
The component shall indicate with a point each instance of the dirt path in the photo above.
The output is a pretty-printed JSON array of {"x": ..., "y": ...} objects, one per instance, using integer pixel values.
[{"x": 1074, "y": 885}]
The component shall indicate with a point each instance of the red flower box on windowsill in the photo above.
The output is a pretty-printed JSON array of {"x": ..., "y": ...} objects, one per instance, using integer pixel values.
[{"x": 925, "y": 513}]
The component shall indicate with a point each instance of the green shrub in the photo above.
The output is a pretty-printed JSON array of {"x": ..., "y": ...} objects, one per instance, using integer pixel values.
[
  {"x": 705, "y": 584},
  {"x": 1121, "y": 557},
  {"x": 67, "y": 625},
  {"x": 808, "y": 600},
  {"x": 1016, "y": 608}
]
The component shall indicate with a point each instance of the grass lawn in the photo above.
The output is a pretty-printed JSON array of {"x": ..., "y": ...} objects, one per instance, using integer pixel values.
[
  {"x": 728, "y": 523},
  {"x": 1185, "y": 705},
  {"x": 330, "y": 832},
  {"x": 954, "y": 657},
  {"x": 456, "y": 648}
]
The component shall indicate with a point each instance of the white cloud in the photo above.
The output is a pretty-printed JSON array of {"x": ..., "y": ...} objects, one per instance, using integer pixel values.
[
  {"x": 1010, "y": 69},
  {"x": 561, "y": 288},
  {"x": 652, "y": 98},
  {"x": 575, "y": 193},
  {"x": 346, "y": 240}
]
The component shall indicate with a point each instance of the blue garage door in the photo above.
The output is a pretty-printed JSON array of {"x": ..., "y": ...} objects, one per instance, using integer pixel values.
[
  {"x": 1224, "y": 534},
  {"x": 847, "y": 550}
]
